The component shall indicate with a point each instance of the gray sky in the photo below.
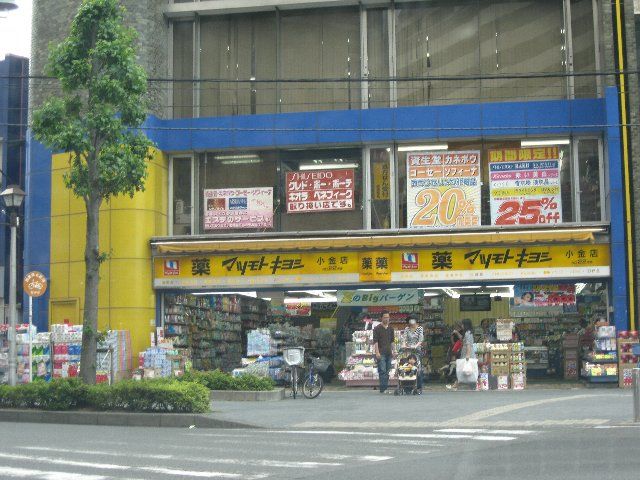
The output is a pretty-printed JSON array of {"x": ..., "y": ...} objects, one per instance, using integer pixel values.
[{"x": 15, "y": 30}]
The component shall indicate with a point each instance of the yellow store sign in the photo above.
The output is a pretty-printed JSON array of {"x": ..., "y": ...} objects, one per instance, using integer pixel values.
[{"x": 393, "y": 267}]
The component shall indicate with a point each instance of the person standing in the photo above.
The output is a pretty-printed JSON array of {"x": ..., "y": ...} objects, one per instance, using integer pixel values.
[
  {"x": 383, "y": 347},
  {"x": 467, "y": 352}
]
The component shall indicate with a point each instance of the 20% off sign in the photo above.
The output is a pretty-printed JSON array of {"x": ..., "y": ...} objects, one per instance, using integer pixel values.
[{"x": 528, "y": 212}]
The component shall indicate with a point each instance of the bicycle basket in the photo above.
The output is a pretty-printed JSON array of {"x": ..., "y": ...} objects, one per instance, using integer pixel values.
[
  {"x": 321, "y": 364},
  {"x": 293, "y": 356}
]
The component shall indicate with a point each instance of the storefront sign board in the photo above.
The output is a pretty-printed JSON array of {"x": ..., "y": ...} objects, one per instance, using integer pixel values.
[
  {"x": 515, "y": 262},
  {"x": 443, "y": 189},
  {"x": 320, "y": 190},
  {"x": 356, "y": 298},
  {"x": 238, "y": 208},
  {"x": 538, "y": 299},
  {"x": 525, "y": 186}
]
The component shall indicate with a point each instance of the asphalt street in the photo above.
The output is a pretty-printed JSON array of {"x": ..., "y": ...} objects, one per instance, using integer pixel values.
[{"x": 60, "y": 452}]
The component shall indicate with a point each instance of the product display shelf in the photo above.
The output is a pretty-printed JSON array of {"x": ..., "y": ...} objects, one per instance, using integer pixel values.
[
  {"x": 628, "y": 358},
  {"x": 601, "y": 369},
  {"x": 361, "y": 366}
]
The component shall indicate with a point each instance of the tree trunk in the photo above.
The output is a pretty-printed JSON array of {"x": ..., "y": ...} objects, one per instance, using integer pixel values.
[{"x": 88, "y": 358}]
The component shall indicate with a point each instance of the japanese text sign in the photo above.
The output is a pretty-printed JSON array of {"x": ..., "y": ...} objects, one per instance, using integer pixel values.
[
  {"x": 298, "y": 309},
  {"x": 238, "y": 208},
  {"x": 517, "y": 262},
  {"x": 357, "y": 298},
  {"x": 34, "y": 284},
  {"x": 320, "y": 190},
  {"x": 536, "y": 300},
  {"x": 443, "y": 189},
  {"x": 525, "y": 186}
]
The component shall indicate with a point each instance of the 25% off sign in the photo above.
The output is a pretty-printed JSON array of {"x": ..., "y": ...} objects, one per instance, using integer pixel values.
[{"x": 531, "y": 211}]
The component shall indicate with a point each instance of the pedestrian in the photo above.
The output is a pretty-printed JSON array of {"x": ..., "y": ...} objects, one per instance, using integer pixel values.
[
  {"x": 413, "y": 340},
  {"x": 467, "y": 351},
  {"x": 383, "y": 347},
  {"x": 453, "y": 352}
]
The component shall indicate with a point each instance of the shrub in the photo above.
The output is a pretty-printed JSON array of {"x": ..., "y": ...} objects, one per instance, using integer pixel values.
[
  {"x": 161, "y": 395},
  {"x": 218, "y": 380}
]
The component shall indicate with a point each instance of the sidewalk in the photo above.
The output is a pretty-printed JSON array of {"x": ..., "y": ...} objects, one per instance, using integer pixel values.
[{"x": 367, "y": 408}]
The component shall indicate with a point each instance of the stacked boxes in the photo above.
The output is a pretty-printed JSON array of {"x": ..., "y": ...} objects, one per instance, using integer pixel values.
[
  {"x": 67, "y": 347},
  {"x": 628, "y": 344},
  {"x": 570, "y": 354}
]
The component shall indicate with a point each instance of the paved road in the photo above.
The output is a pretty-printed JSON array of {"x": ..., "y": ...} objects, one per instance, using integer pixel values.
[
  {"x": 55, "y": 452},
  {"x": 369, "y": 409}
]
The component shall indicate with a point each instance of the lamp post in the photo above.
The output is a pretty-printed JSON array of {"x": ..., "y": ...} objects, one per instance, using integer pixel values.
[{"x": 12, "y": 196}]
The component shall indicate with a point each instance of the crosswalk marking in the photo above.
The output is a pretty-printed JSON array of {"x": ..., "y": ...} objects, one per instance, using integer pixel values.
[
  {"x": 70, "y": 463},
  {"x": 200, "y": 474},
  {"x": 484, "y": 430},
  {"x": 151, "y": 456},
  {"x": 43, "y": 475}
]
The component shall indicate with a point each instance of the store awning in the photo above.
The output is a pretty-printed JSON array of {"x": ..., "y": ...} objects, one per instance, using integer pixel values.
[{"x": 168, "y": 246}]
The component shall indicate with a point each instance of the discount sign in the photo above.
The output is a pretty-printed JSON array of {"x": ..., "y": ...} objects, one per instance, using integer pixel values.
[
  {"x": 525, "y": 186},
  {"x": 443, "y": 189}
]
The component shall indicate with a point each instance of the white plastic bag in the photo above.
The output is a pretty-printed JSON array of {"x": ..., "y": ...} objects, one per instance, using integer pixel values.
[{"x": 467, "y": 370}]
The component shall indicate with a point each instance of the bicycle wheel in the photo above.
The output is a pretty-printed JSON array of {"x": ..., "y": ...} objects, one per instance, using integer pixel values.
[
  {"x": 294, "y": 381},
  {"x": 312, "y": 386}
]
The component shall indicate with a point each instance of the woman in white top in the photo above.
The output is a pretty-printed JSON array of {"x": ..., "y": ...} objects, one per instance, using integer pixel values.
[{"x": 467, "y": 351}]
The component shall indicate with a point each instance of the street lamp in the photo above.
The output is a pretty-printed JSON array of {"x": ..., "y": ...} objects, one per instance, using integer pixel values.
[{"x": 13, "y": 196}]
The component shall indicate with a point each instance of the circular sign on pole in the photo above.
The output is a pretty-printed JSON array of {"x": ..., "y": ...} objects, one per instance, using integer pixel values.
[{"x": 34, "y": 284}]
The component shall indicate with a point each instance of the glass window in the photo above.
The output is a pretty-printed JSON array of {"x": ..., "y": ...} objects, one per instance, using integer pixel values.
[
  {"x": 233, "y": 48},
  {"x": 320, "y": 44},
  {"x": 183, "y": 69},
  {"x": 437, "y": 39},
  {"x": 246, "y": 177},
  {"x": 182, "y": 188},
  {"x": 378, "y": 56},
  {"x": 584, "y": 51},
  {"x": 327, "y": 192},
  {"x": 520, "y": 37},
  {"x": 589, "y": 171},
  {"x": 381, "y": 188}
]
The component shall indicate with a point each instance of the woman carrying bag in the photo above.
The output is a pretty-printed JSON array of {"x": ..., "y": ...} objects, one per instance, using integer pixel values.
[{"x": 467, "y": 365}]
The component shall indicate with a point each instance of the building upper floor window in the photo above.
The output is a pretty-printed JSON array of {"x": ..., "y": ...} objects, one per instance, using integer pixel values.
[{"x": 422, "y": 53}]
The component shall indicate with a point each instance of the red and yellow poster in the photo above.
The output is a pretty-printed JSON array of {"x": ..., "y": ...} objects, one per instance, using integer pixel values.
[{"x": 443, "y": 189}]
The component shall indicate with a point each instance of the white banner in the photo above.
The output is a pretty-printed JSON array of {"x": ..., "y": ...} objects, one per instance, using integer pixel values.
[
  {"x": 443, "y": 189},
  {"x": 238, "y": 208}
]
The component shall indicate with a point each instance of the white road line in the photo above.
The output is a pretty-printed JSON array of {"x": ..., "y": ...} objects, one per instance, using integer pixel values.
[
  {"x": 43, "y": 475},
  {"x": 97, "y": 452},
  {"x": 412, "y": 443},
  {"x": 72, "y": 463},
  {"x": 492, "y": 438},
  {"x": 374, "y": 458},
  {"x": 199, "y": 474},
  {"x": 485, "y": 430},
  {"x": 224, "y": 461}
]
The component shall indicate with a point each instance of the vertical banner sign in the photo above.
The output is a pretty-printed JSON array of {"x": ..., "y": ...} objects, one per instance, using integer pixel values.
[
  {"x": 525, "y": 186},
  {"x": 443, "y": 189},
  {"x": 320, "y": 190},
  {"x": 235, "y": 208},
  {"x": 381, "y": 181}
]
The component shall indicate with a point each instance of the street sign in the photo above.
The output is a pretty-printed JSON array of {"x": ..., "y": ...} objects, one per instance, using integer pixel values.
[{"x": 35, "y": 284}]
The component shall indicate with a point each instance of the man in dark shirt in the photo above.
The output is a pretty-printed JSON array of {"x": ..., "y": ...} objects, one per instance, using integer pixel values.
[{"x": 383, "y": 348}]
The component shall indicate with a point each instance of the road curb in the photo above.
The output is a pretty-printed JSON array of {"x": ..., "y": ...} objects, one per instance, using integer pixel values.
[
  {"x": 247, "y": 395},
  {"x": 119, "y": 419}
]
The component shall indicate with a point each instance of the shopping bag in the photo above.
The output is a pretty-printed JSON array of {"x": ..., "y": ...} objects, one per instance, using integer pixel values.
[{"x": 467, "y": 370}]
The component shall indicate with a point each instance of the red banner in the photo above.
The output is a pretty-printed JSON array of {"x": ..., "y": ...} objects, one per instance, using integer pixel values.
[{"x": 320, "y": 191}]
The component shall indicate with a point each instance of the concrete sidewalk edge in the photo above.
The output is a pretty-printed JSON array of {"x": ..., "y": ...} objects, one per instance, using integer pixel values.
[{"x": 119, "y": 419}]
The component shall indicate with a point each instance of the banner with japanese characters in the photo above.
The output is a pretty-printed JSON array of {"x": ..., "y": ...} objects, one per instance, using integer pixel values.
[
  {"x": 238, "y": 208},
  {"x": 320, "y": 190},
  {"x": 436, "y": 265},
  {"x": 538, "y": 299},
  {"x": 443, "y": 189},
  {"x": 301, "y": 309},
  {"x": 357, "y": 298},
  {"x": 525, "y": 186}
]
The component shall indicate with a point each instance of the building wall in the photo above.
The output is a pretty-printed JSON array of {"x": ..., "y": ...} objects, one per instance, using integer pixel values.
[
  {"x": 51, "y": 22},
  {"x": 126, "y": 299}
]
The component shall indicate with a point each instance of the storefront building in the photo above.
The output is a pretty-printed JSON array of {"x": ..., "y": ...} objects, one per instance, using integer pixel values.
[{"x": 447, "y": 149}]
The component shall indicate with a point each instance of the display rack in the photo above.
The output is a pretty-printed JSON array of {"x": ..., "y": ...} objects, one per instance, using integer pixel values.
[
  {"x": 628, "y": 344},
  {"x": 601, "y": 365}
]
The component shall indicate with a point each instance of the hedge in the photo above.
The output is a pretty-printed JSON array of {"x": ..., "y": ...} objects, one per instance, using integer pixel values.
[
  {"x": 218, "y": 380},
  {"x": 135, "y": 396}
]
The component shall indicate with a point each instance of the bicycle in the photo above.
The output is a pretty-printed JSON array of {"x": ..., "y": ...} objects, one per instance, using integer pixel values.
[{"x": 313, "y": 383}]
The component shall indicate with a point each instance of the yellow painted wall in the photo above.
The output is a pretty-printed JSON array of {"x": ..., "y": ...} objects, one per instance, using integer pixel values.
[
  {"x": 126, "y": 297},
  {"x": 453, "y": 315}
]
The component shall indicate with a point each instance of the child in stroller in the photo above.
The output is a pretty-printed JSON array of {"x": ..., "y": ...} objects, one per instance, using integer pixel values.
[{"x": 408, "y": 374}]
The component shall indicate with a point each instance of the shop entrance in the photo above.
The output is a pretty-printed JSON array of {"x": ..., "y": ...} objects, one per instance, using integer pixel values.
[{"x": 246, "y": 330}]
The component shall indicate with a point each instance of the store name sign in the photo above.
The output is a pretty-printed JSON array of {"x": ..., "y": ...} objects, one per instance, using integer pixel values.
[{"x": 391, "y": 267}]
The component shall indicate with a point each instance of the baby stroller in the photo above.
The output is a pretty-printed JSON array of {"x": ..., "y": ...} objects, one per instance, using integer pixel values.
[{"x": 407, "y": 374}]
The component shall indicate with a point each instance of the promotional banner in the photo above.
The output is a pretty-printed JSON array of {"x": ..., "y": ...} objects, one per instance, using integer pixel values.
[
  {"x": 234, "y": 208},
  {"x": 298, "y": 309},
  {"x": 443, "y": 189},
  {"x": 525, "y": 186},
  {"x": 538, "y": 299},
  {"x": 357, "y": 298},
  {"x": 320, "y": 190}
]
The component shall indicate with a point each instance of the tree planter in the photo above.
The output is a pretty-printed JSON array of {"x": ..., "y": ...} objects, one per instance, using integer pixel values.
[{"x": 247, "y": 395}]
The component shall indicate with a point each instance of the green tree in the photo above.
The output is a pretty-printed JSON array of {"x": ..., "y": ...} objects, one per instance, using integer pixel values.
[{"x": 95, "y": 119}]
